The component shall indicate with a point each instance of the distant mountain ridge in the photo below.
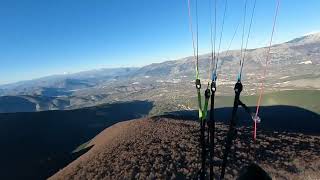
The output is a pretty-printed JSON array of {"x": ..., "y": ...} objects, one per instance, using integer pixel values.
[
  {"x": 294, "y": 65},
  {"x": 166, "y": 68},
  {"x": 307, "y": 38},
  {"x": 56, "y": 80}
]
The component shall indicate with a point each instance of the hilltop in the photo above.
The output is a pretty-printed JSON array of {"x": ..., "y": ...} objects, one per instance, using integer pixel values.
[
  {"x": 163, "y": 148},
  {"x": 37, "y": 144}
]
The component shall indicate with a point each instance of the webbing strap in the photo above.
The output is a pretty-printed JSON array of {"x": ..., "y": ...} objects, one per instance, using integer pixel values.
[
  {"x": 203, "y": 150},
  {"x": 198, "y": 86},
  {"x": 211, "y": 125},
  {"x": 202, "y": 134},
  {"x": 199, "y": 104},
  {"x": 206, "y": 103},
  {"x": 232, "y": 128}
]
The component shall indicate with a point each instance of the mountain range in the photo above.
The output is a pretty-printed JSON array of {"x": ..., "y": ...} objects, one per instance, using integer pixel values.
[
  {"x": 36, "y": 145},
  {"x": 293, "y": 65}
]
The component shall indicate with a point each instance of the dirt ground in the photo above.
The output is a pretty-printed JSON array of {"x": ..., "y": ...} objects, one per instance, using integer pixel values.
[{"x": 162, "y": 148}]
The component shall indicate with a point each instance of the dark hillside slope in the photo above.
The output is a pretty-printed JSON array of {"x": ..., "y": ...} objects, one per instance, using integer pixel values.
[
  {"x": 37, "y": 144},
  {"x": 164, "y": 148},
  {"x": 9, "y": 104}
]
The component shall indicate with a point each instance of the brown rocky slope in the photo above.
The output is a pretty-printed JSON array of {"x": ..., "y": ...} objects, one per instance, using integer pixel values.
[{"x": 163, "y": 148}]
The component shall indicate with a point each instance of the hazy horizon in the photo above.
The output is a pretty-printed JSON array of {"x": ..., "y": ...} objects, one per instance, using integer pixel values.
[
  {"x": 130, "y": 66},
  {"x": 47, "y": 38}
]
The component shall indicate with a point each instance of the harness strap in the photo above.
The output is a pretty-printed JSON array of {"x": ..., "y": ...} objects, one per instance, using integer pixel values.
[
  {"x": 198, "y": 86},
  {"x": 232, "y": 128},
  {"x": 211, "y": 125}
]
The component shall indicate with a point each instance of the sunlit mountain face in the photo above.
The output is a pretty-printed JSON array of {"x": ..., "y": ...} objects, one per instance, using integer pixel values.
[{"x": 294, "y": 66}]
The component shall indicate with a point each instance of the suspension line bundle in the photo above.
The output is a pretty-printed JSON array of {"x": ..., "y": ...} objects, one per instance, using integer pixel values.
[
  {"x": 231, "y": 135},
  {"x": 202, "y": 111},
  {"x": 207, "y": 142}
]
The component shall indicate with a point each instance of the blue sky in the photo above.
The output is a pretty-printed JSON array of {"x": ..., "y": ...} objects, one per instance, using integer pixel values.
[{"x": 45, "y": 37}]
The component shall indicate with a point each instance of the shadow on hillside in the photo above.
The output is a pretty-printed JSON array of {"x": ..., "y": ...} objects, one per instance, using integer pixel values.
[
  {"x": 16, "y": 104},
  {"x": 281, "y": 151},
  {"x": 37, "y": 144},
  {"x": 274, "y": 118},
  {"x": 276, "y": 145}
]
